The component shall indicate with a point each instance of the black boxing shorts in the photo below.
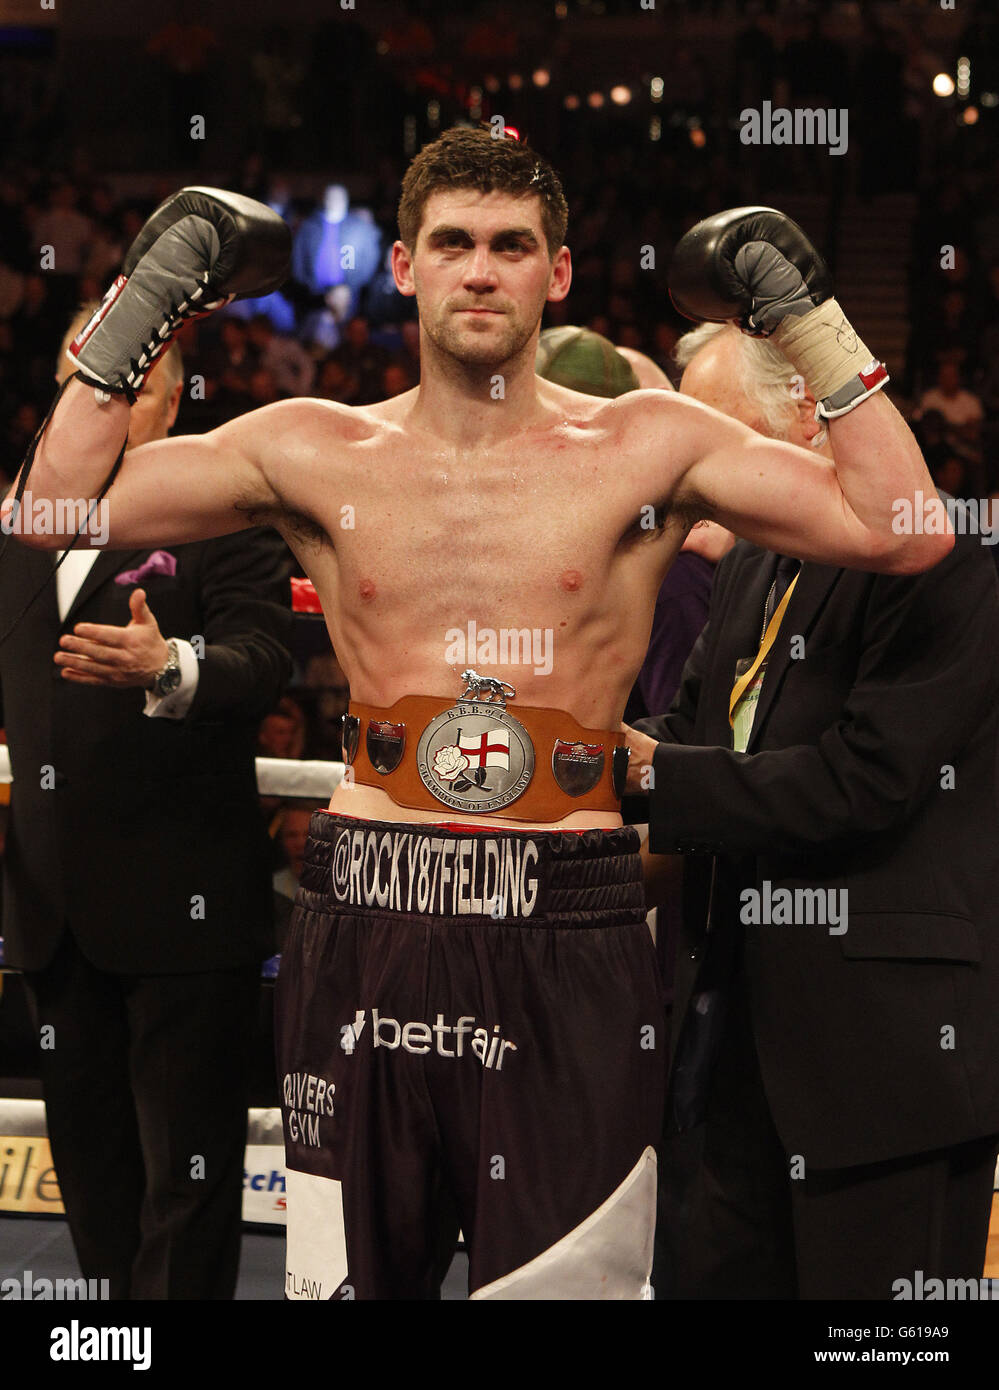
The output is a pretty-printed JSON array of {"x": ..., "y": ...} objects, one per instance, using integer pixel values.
[{"x": 470, "y": 1033}]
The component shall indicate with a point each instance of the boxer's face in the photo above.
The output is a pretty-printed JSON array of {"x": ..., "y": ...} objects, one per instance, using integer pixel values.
[{"x": 481, "y": 274}]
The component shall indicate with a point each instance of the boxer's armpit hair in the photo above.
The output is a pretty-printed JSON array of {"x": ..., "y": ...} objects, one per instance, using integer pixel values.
[
  {"x": 282, "y": 519},
  {"x": 687, "y": 510},
  {"x": 681, "y": 514}
]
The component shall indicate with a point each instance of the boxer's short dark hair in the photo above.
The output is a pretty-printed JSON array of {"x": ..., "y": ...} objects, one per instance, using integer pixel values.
[{"x": 469, "y": 158}]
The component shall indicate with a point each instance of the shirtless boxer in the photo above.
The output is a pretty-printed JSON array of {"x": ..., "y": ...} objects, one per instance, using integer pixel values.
[{"x": 470, "y": 1019}]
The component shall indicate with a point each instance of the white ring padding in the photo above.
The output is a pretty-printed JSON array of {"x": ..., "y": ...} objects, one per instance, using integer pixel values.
[
  {"x": 298, "y": 777},
  {"x": 275, "y": 776}
]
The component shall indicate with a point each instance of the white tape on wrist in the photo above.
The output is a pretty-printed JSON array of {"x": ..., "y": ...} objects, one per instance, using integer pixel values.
[{"x": 825, "y": 348}]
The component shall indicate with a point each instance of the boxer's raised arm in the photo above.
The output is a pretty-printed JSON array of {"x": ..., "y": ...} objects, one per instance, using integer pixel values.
[
  {"x": 794, "y": 502},
  {"x": 756, "y": 267},
  {"x": 200, "y": 249},
  {"x": 185, "y": 489}
]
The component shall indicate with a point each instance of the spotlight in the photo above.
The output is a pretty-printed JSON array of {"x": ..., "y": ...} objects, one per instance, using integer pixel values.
[
  {"x": 595, "y": 99},
  {"x": 943, "y": 84},
  {"x": 541, "y": 77},
  {"x": 515, "y": 82},
  {"x": 970, "y": 115},
  {"x": 620, "y": 95},
  {"x": 656, "y": 87},
  {"x": 571, "y": 102}
]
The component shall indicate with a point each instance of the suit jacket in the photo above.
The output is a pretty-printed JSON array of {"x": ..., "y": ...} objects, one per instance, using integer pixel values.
[
  {"x": 143, "y": 833},
  {"x": 872, "y": 768}
]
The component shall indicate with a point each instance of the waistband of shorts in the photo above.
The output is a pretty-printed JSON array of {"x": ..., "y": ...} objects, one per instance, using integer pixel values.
[{"x": 549, "y": 878}]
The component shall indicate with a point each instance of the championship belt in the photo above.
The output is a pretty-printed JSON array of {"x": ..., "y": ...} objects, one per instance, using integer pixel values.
[{"x": 474, "y": 756}]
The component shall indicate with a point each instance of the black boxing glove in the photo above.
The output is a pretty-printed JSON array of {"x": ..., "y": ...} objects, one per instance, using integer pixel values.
[
  {"x": 753, "y": 265},
  {"x": 756, "y": 266},
  {"x": 200, "y": 249}
]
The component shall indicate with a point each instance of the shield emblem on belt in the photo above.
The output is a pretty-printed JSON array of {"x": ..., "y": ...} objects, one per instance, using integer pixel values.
[
  {"x": 577, "y": 767},
  {"x": 385, "y": 743},
  {"x": 350, "y": 737}
]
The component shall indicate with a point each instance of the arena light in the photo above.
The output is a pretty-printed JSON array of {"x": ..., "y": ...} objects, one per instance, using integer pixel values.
[
  {"x": 970, "y": 115},
  {"x": 541, "y": 77},
  {"x": 655, "y": 128},
  {"x": 943, "y": 84},
  {"x": 620, "y": 95},
  {"x": 515, "y": 82},
  {"x": 990, "y": 98},
  {"x": 697, "y": 138},
  {"x": 492, "y": 83},
  {"x": 656, "y": 89},
  {"x": 963, "y": 76},
  {"x": 571, "y": 102},
  {"x": 595, "y": 99}
]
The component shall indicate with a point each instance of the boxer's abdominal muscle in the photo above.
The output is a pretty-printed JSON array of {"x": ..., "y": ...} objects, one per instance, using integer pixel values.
[{"x": 525, "y": 560}]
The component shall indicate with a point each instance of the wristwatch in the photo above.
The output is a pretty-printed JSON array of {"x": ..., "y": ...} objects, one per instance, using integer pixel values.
[{"x": 167, "y": 680}]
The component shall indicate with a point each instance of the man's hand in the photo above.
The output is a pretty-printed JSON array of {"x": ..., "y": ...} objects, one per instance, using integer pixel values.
[
  {"x": 709, "y": 540},
  {"x": 102, "y": 654},
  {"x": 642, "y": 748}
]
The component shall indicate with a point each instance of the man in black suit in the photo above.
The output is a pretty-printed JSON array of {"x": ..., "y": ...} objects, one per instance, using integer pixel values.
[
  {"x": 137, "y": 895},
  {"x": 836, "y": 1025}
]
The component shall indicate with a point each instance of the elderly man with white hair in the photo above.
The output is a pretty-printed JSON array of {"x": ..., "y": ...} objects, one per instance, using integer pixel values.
[{"x": 828, "y": 772}]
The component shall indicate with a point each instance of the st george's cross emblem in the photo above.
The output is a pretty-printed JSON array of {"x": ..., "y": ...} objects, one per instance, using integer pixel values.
[{"x": 476, "y": 756}]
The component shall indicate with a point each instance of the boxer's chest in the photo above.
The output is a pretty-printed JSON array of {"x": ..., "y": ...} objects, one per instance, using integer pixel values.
[{"x": 505, "y": 525}]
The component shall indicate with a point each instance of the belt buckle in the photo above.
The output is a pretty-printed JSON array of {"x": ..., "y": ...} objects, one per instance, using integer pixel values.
[{"x": 476, "y": 757}]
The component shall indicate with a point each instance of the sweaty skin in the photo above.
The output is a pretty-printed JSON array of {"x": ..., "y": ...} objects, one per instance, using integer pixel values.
[{"x": 487, "y": 495}]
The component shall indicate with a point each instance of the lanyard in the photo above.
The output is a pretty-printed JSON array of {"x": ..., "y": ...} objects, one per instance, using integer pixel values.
[{"x": 739, "y": 689}]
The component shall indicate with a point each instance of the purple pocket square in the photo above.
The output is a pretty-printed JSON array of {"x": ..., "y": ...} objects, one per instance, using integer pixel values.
[{"x": 160, "y": 562}]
